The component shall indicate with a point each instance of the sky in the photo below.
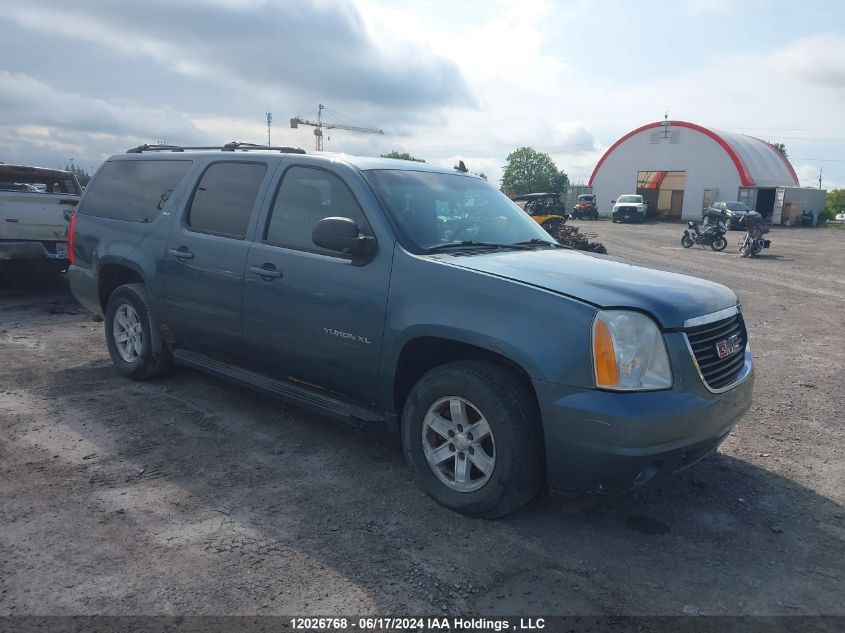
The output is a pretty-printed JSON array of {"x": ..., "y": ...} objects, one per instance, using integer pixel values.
[{"x": 445, "y": 80}]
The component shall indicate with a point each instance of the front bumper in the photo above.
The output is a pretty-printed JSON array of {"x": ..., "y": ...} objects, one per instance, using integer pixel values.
[
  {"x": 629, "y": 215},
  {"x": 602, "y": 441},
  {"x": 30, "y": 250}
]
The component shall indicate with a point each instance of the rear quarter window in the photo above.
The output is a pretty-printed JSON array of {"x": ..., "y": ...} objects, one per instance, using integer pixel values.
[{"x": 133, "y": 190}]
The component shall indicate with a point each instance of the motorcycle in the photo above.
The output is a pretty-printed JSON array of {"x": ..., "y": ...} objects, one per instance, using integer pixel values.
[
  {"x": 751, "y": 245},
  {"x": 710, "y": 233},
  {"x": 752, "y": 242}
]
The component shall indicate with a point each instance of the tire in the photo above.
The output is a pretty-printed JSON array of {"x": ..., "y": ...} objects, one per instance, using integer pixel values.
[
  {"x": 719, "y": 244},
  {"x": 745, "y": 249},
  {"x": 686, "y": 241},
  {"x": 515, "y": 442},
  {"x": 614, "y": 220},
  {"x": 148, "y": 356}
]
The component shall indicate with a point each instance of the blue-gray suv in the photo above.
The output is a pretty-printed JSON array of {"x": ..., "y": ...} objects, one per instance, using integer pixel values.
[{"x": 391, "y": 292}]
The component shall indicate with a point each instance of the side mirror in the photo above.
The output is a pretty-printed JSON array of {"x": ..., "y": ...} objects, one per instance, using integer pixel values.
[
  {"x": 613, "y": 202},
  {"x": 342, "y": 235}
]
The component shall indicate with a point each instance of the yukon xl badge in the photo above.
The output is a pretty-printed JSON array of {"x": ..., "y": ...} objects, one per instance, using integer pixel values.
[
  {"x": 728, "y": 346},
  {"x": 347, "y": 335}
]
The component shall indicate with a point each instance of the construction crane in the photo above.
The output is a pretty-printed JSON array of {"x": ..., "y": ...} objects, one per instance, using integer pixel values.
[{"x": 319, "y": 125}]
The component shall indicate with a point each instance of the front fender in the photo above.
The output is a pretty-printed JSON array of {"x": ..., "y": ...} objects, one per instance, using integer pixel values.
[{"x": 544, "y": 333}]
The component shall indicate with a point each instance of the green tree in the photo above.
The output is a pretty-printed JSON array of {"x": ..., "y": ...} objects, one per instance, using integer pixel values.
[
  {"x": 781, "y": 148},
  {"x": 81, "y": 175},
  {"x": 834, "y": 203},
  {"x": 402, "y": 156},
  {"x": 530, "y": 171}
]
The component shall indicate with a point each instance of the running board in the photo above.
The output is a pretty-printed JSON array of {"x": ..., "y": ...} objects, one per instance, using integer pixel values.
[{"x": 284, "y": 389}]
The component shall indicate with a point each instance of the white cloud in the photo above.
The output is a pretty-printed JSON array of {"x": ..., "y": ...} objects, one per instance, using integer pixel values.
[{"x": 474, "y": 88}]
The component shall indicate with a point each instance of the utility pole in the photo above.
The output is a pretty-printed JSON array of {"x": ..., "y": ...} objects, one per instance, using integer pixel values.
[
  {"x": 821, "y": 169},
  {"x": 269, "y": 121}
]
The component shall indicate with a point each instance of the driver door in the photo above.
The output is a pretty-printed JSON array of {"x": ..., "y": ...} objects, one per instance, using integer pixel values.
[{"x": 309, "y": 314}]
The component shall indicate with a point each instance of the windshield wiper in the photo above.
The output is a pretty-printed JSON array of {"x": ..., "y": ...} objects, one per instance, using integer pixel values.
[
  {"x": 474, "y": 244},
  {"x": 538, "y": 242}
]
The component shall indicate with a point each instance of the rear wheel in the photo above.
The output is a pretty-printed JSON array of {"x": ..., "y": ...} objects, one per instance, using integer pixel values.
[
  {"x": 719, "y": 244},
  {"x": 686, "y": 241},
  {"x": 135, "y": 346},
  {"x": 471, "y": 435}
]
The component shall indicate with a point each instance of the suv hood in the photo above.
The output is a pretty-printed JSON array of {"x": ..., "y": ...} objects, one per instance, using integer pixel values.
[{"x": 671, "y": 298}]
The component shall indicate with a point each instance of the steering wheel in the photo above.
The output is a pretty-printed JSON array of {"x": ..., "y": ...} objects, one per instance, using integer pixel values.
[{"x": 467, "y": 230}]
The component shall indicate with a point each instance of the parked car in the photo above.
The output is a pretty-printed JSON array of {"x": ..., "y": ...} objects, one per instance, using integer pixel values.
[
  {"x": 546, "y": 209},
  {"x": 35, "y": 205},
  {"x": 735, "y": 212},
  {"x": 403, "y": 295},
  {"x": 629, "y": 207},
  {"x": 585, "y": 208}
]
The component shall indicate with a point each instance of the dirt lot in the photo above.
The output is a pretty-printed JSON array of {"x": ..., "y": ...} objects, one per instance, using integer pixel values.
[{"x": 188, "y": 495}]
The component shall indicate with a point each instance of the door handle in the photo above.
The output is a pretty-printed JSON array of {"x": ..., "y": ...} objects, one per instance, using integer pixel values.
[
  {"x": 181, "y": 253},
  {"x": 266, "y": 272}
]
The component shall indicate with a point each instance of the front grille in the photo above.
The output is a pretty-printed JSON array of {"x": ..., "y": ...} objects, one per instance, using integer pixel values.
[{"x": 717, "y": 372}]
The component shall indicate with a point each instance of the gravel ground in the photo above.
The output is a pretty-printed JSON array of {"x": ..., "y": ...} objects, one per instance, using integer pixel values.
[{"x": 188, "y": 495}]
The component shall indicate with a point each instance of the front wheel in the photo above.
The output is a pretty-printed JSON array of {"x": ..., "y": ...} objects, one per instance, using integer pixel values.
[
  {"x": 471, "y": 435},
  {"x": 686, "y": 241},
  {"x": 719, "y": 243},
  {"x": 745, "y": 248}
]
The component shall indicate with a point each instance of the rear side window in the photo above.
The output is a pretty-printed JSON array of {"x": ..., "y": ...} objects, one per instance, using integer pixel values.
[
  {"x": 225, "y": 197},
  {"x": 134, "y": 190}
]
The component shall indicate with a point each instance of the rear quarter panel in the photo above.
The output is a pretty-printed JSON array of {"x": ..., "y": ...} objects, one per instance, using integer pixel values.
[{"x": 100, "y": 241}]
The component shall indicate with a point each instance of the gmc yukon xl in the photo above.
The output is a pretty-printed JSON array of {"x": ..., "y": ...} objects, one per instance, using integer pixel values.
[{"x": 391, "y": 292}]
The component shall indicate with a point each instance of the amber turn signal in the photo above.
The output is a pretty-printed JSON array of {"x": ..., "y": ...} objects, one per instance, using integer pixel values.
[{"x": 607, "y": 374}]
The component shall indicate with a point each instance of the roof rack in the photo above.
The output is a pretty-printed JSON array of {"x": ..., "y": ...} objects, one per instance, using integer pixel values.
[{"x": 228, "y": 147}]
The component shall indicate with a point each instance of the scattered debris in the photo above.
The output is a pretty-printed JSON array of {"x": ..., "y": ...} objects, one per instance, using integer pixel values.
[{"x": 571, "y": 236}]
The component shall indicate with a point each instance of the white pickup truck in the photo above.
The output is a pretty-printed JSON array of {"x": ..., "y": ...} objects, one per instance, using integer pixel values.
[{"x": 35, "y": 206}]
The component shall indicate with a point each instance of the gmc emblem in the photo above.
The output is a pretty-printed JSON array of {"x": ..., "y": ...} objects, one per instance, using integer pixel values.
[{"x": 728, "y": 346}]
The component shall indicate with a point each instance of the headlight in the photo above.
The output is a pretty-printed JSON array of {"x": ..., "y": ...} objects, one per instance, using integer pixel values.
[{"x": 629, "y": 353}]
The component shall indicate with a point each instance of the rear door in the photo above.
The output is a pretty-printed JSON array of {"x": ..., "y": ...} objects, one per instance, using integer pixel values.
[
  {"x": 309, "y": 313},
  {"x": 203, "y": 267}
]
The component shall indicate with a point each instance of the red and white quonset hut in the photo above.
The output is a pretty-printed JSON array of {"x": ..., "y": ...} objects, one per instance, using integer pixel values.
[{"x": 681, "y": 168}]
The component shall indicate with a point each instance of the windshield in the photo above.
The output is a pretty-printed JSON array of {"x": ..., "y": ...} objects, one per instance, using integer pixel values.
[
  {"x": 585, "y": 198},
  {"x": 432, "y": 208},
  {"x": 636, "y": 199},
  {"x": 737, "y": 206}
]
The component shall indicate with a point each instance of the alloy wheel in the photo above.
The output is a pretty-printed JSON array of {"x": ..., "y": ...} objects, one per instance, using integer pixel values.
[
  {"x": 128, "y": 333},
  {"x": 458, "y": 444}
]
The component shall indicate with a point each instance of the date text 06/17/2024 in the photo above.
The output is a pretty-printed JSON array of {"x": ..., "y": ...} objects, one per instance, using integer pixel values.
[{"x": 416, "y": 624}]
